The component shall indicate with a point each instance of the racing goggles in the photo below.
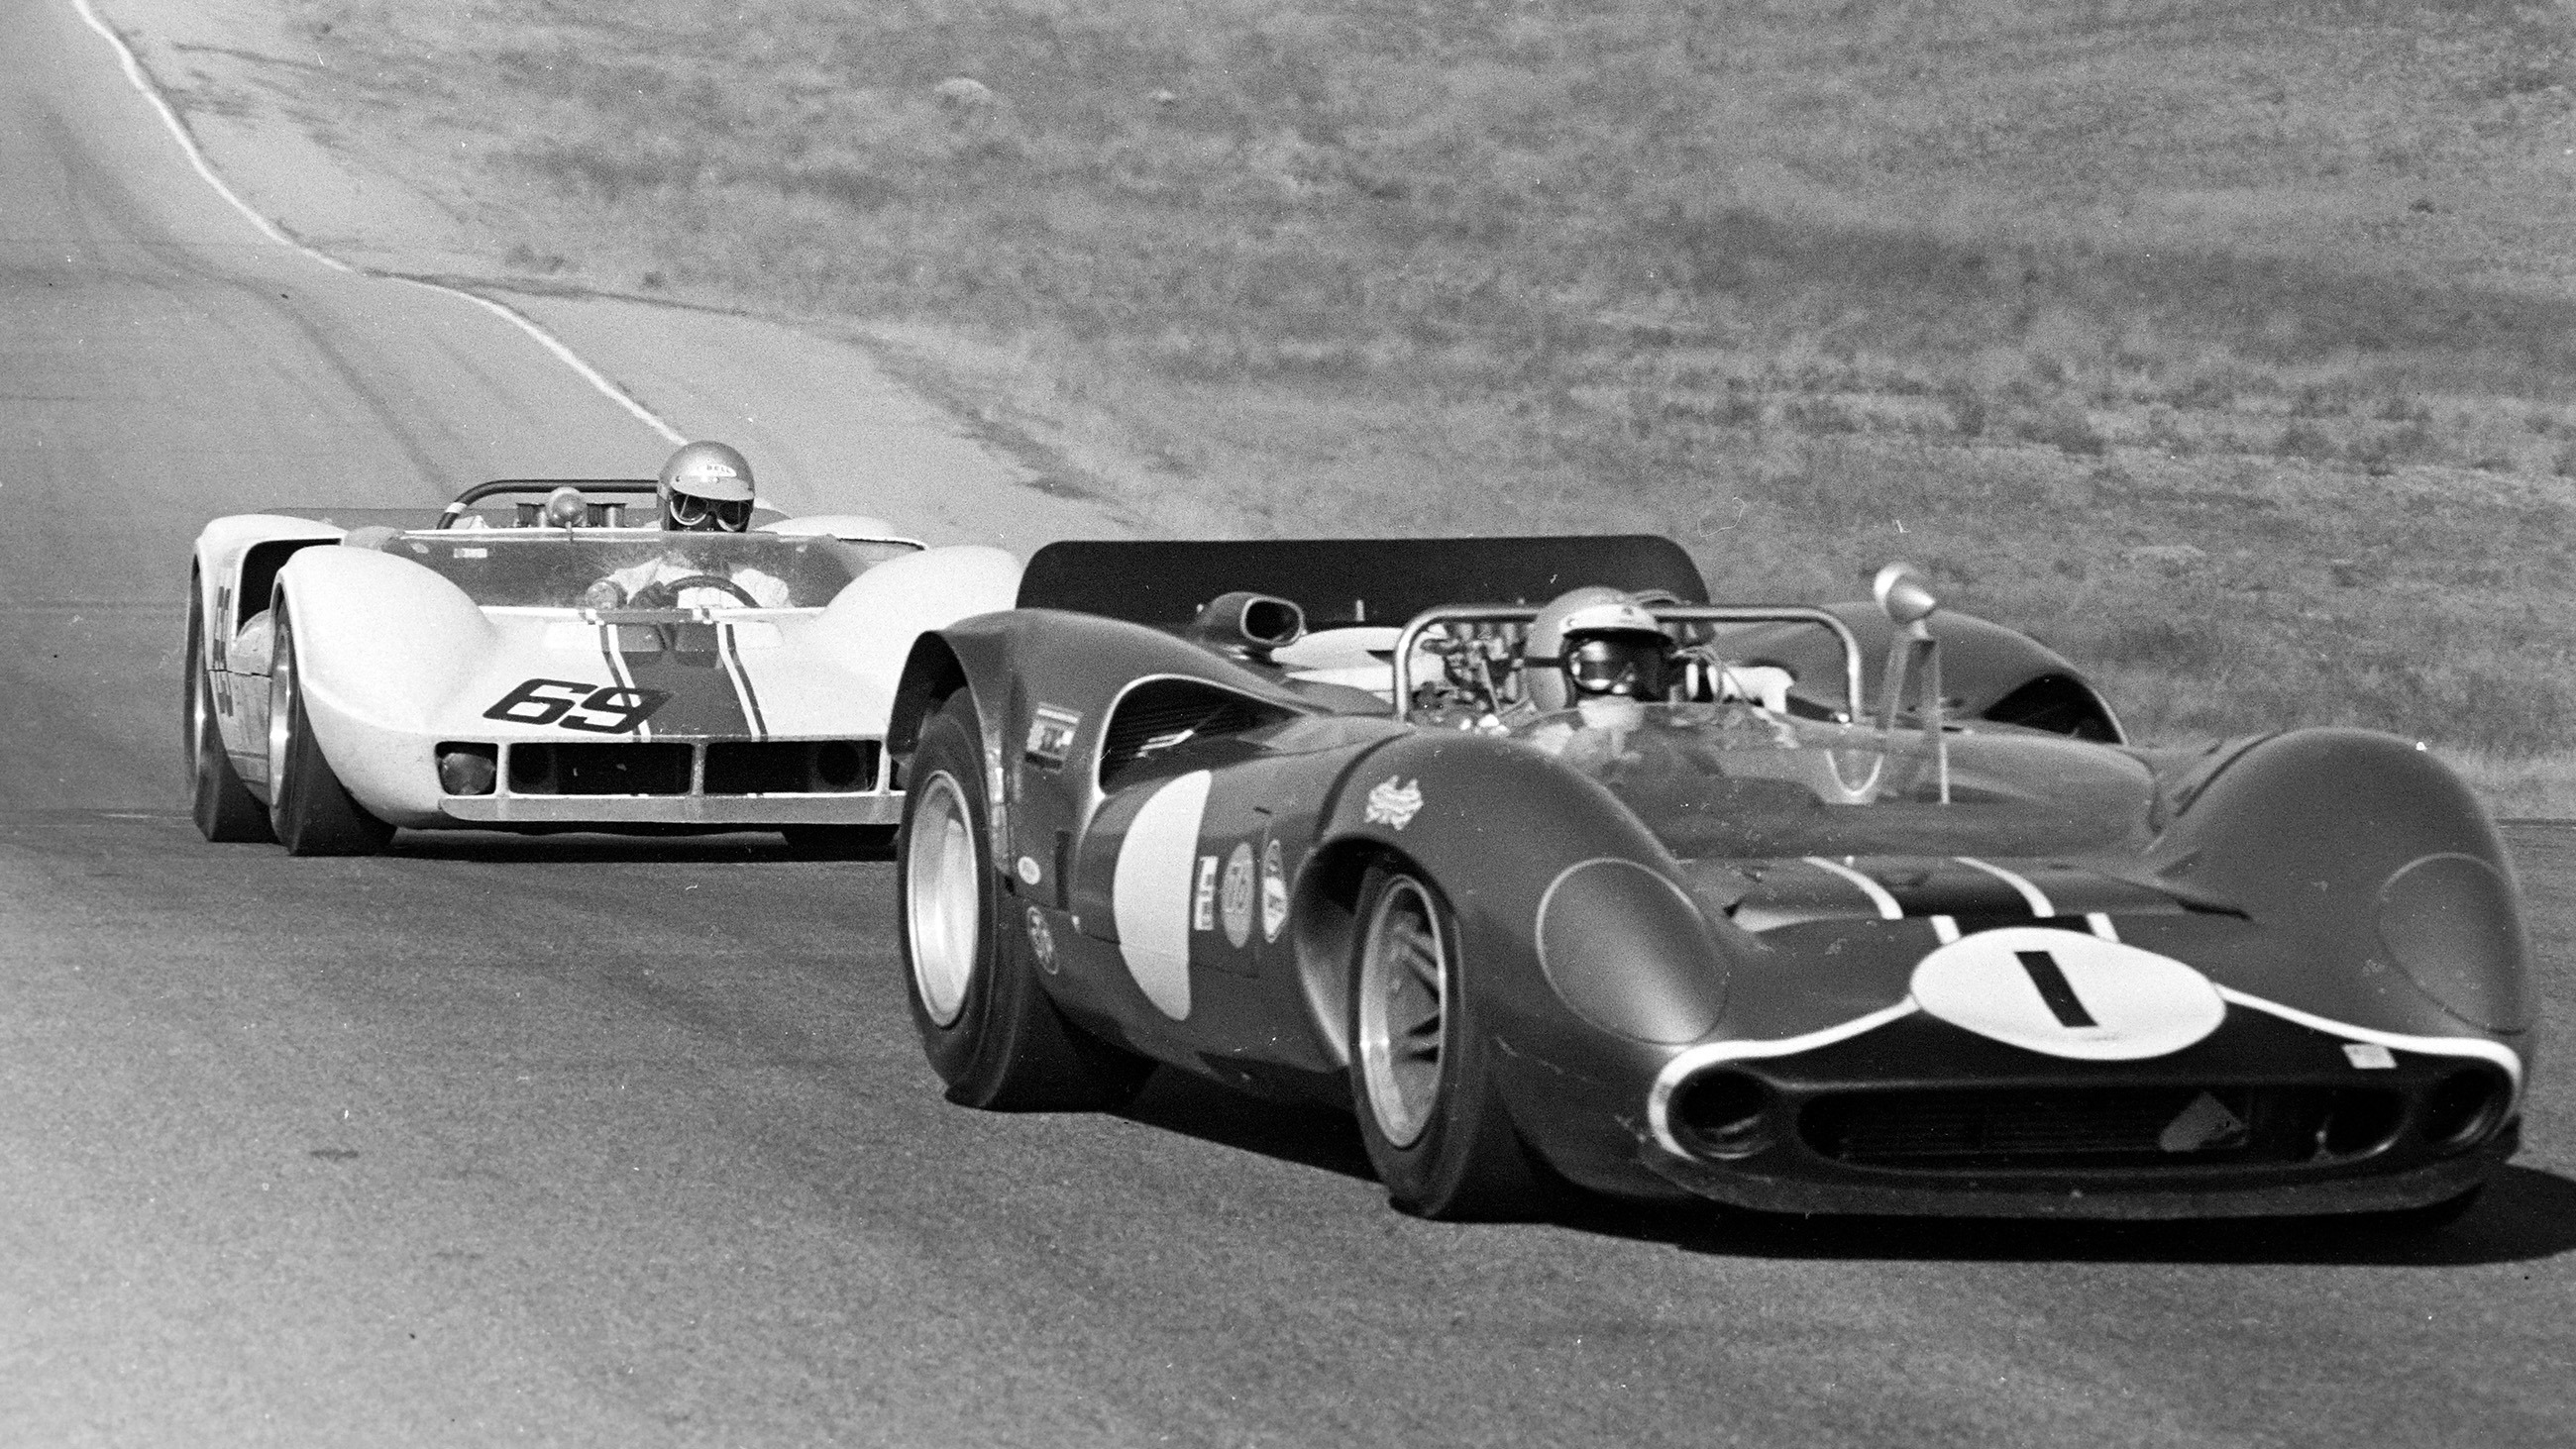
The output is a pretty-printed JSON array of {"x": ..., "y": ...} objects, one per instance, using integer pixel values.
[
  {"x": 688, "y": 510},
  {"x": 1631, "y": 665}
]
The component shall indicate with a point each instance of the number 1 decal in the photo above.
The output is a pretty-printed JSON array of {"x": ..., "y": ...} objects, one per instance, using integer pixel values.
[
  {"x": 606, "y": 709},
  {"x": 2056, "y": 990}
]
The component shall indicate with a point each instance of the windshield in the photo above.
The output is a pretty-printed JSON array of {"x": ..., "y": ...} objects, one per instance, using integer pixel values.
[
  {"x": 1734, "y": 780},
  {"x": 567, "y": 569}
]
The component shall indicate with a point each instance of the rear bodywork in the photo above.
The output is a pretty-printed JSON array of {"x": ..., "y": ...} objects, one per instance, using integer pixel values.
[
  {"x": 419, "y": 639},
  {"x": 1779, "y": 963}
]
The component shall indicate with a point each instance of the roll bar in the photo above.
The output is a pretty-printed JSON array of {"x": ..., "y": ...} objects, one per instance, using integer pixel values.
[
  {"x": 1664, "y": 613},
  {"x": 481, "y": 491}
]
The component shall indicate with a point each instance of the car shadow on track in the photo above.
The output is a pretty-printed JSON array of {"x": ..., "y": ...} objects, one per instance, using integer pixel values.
[
  {"x": 1309, "y": 1136},
  {"x": 2525, "y": 1215}
]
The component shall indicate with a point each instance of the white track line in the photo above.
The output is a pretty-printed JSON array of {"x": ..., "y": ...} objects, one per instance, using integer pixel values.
[{"x": 142, "y": 82}]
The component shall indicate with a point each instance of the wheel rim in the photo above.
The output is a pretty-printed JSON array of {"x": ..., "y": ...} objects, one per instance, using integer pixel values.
[
  {"x": 281, "y": 711},
  {"x": 943, "y": 899},
  {"x": 1403, "y": 1015}
]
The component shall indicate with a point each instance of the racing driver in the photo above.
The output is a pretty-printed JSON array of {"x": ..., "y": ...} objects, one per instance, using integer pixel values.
[
  {"x": 705, "y": 488},
  {"x": 1596, "y": 657}
]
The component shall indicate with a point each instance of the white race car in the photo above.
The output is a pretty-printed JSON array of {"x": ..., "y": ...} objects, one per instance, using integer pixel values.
[{"x": 547, "y": 666}]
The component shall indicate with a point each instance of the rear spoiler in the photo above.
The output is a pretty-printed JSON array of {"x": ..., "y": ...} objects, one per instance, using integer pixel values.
[{"x": 1344, "y": 581}]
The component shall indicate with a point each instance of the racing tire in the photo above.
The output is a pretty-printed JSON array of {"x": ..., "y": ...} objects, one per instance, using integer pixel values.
[
  {"x": 308, "y": 807},
  {"x": 1430, "y": 1116},
  {"x": 225, "y": 810},
  {"x": 841, "y": 842},
  {"x": 986, "y": 1022}
]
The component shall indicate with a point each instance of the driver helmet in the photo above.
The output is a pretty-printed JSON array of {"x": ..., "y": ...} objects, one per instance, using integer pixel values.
[
  {"x": 1595, "y": 643},
  {"x": 706, "y": 488}
]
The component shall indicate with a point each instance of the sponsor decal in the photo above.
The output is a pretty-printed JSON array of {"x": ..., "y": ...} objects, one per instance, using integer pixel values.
[
  {"x": 2369, "y": 1056},
  {"x": 1041, "y": 941},
  {"x": 1274, "y": 892},
  {"x": 1051, "y": 735},
  {"x": 1393, "y": 805},
  {"x": 1203, "y": 899},
  {"x": 1234, "y": 895},
  {"x": 1029, "y": 872},
  {"x": 2064, "y": 994},
  {"x": 604, "y": 709}
]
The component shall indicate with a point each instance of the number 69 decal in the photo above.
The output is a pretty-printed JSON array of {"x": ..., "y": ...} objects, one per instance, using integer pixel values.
[{"x": 607, "y": 709}]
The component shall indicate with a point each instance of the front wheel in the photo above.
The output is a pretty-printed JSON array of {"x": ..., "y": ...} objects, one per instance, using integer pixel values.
[
  {"x": 312, "y": 812},
  {"x": 1430, "y": 1116},
  {"x": 224, "y": 808},
  {"x": 987, "y": 1025}
]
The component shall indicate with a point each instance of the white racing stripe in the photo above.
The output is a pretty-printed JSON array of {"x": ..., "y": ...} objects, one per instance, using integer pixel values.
[
  {"x": 2031, "y": 894},
  {"x": 618, "y": 671},
  {"x": 142, "y": 83},
  {"x": 731, "y": 652},
  {"x": 1681, "y": 1068},
  {"x": 1152, "y": 887},
  {"x": 2438, "y": 1046},
  {"x": 1888, "y": 909}
]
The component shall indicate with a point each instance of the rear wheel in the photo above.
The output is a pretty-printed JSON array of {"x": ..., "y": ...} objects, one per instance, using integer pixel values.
[
  {"x": 311, "y": 811},
  {"x": 841, "y": 842},
  {"x": 986, "y": 1023},
  {"x": 224, "y": 808},
  {"x": 1434, "y": 1125}
]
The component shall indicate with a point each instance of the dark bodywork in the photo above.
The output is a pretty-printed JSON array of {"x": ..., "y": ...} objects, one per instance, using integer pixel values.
[{"x": 1735, "y": 982}]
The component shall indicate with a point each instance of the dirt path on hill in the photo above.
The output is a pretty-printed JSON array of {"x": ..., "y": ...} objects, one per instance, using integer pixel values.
[{"x": 828, "y": 427}]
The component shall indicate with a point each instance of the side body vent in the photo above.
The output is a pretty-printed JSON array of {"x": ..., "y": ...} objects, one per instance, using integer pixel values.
[{"x": 1162, "y": 715}]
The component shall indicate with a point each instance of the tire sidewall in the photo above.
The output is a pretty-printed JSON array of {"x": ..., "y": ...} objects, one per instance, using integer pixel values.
[
  {"x": 1414, "y": 1173},
  {"x": 310, "y": 811},
  {"x": 949, "y": 746},
  {"x": 286, "y": 765}
]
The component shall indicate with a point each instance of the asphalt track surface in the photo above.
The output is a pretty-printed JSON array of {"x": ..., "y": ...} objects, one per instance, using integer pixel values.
[{"x": 589, "y": 1141}]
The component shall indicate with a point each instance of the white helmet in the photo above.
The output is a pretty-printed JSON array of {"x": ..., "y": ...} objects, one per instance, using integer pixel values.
[
  {"x": 1594, "y": 641},
  {"x": 706, "y": 487}
]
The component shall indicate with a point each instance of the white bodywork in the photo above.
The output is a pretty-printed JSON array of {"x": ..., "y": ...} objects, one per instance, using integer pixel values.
[{"x": 396, "y": 661}]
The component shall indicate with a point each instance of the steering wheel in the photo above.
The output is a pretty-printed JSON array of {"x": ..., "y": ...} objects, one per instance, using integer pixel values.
[{"x": 666, "y": 594}]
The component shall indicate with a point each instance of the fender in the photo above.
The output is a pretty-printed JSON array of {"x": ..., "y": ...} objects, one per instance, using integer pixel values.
[
  {"x": 220, "y": 549},
  {"x": 1565, "y": 901},
  {"x": 342, "y": 604},
  {"x": 873, "y": 624},
  {"x": 2377, "y": 867}
]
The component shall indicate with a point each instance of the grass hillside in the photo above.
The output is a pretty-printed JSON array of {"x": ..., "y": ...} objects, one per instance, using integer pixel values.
[{"x": 2227, "y": 345}]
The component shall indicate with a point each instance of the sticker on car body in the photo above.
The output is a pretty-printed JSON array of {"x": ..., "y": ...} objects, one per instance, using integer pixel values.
[
  {"x": 1274, "y": 891},
  {"x": 1234, "y": 895},
  {"x": 2065, "y": 994},
  {"x": 606, "y": 709},
  {"x": 1051, "y": 732},
  {"x": 1394, "y": 805}
]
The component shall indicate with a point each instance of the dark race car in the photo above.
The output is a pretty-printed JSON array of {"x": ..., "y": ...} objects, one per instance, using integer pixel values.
[{"x": 1867, "y": 910}]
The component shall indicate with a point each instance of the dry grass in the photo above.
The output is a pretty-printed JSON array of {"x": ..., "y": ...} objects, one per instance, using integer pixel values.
[{"x": 2228, "y": 346}]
